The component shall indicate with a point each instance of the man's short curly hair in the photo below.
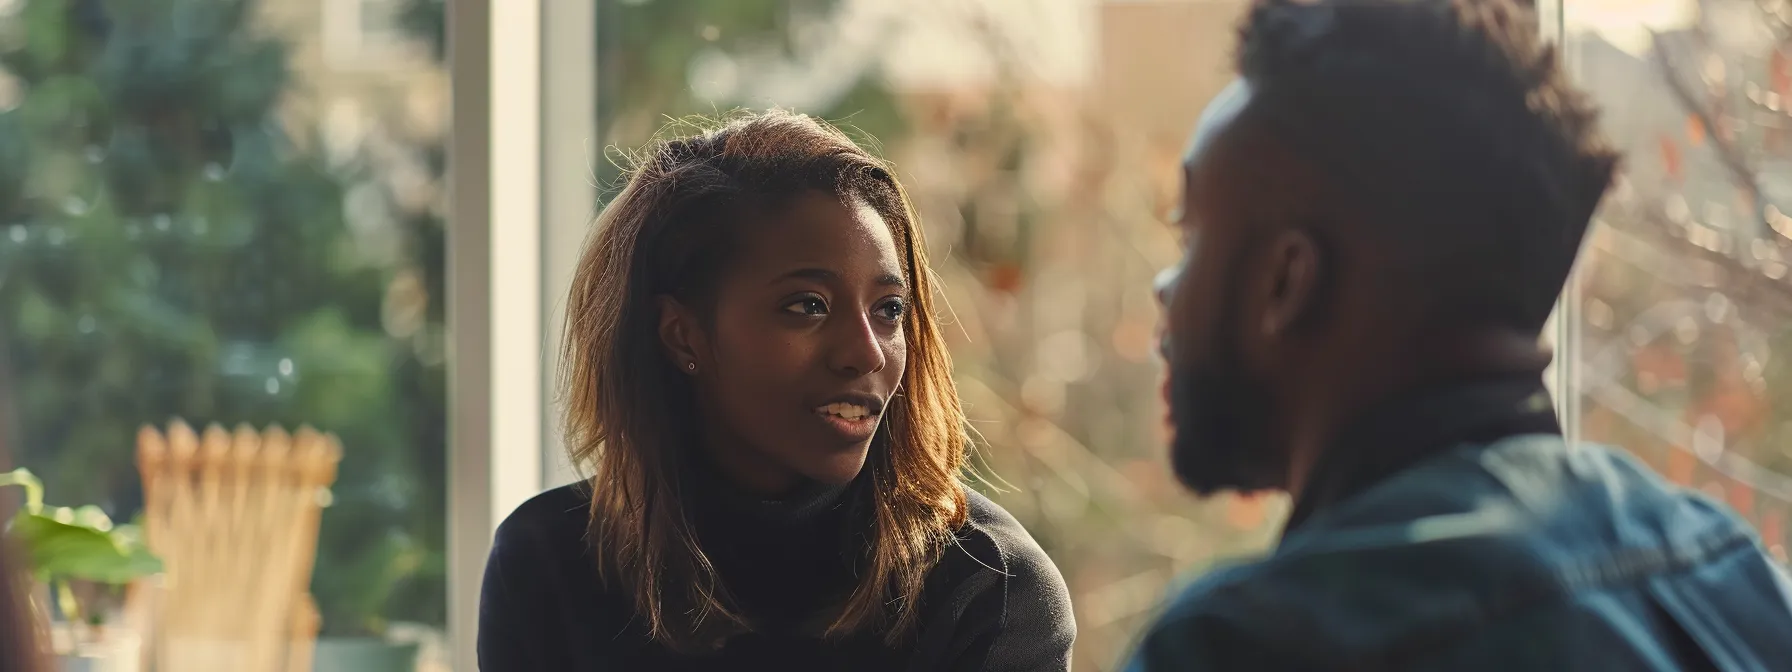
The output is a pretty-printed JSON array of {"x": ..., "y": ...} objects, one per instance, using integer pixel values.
[{"x": 1451, "y": 124}]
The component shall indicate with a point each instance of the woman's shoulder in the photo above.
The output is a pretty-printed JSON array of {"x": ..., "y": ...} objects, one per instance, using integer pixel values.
[
  {"x": 994, "y": 535},
  {"x": 551, "y": 524},
  {"x": 1027, "y": 598},
  {"x": 541, "y": 553},
  {"x": 993, "y": 539}
]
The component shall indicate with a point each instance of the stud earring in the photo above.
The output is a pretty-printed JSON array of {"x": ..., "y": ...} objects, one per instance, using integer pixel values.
[{"x": 690, "y": 366}]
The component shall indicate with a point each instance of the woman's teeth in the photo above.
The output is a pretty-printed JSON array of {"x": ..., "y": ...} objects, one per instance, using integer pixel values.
[{"x": 848, "y": 411}]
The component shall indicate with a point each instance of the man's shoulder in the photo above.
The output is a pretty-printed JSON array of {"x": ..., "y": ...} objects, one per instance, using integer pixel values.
[
  {"x": 1218, "y": 621},
  {"x": 1342, "y": 597},
  {"x": 1443, "y": 550}
]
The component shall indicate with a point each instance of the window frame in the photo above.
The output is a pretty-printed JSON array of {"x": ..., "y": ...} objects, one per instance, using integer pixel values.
[
  {"x": 523, "y": 76},
  {"x": 1562, "y": 334},
  {"x": 520, "y": 201}
]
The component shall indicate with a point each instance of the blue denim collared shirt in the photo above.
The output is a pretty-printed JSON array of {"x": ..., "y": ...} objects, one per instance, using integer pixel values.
[{"x": 1520, "y": 553}]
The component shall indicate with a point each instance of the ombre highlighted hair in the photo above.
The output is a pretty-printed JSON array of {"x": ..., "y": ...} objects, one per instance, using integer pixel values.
[{"x": 629, "y": 410}]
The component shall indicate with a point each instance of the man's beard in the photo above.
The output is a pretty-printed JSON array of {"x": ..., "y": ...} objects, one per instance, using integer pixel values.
[
  {"x": 1221, "y": 417},
  {"x": 1221, "y": 420}
]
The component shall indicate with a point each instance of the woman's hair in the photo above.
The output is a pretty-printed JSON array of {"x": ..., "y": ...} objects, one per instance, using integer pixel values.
[{"x": 629, "y": 411}]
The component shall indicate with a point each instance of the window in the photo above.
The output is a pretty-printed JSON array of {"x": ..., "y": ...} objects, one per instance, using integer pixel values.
[
  {"x": 1683, "y": 305},
  {"x": 199, "y": 219}
]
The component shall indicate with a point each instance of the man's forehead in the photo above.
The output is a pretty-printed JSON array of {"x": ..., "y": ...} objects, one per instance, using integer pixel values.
[{"x": 1220, "y": 113}]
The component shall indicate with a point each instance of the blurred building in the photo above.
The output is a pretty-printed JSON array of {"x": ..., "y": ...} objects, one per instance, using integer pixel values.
[{"x": 362, "y": 79}]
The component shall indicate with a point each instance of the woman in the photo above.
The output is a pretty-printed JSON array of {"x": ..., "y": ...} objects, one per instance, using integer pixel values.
[{"x": 755, "y": 378}]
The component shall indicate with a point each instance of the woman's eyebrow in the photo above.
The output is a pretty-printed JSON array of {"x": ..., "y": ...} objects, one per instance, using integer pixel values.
[{"x": 824, "y": 276}]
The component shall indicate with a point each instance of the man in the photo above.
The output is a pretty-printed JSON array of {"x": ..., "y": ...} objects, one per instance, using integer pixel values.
[{"x": 1378, "y": 218}]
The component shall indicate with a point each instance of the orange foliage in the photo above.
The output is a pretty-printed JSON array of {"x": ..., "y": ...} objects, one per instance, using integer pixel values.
[
  {"x": 1670, "y": 158},
  {"x": 1660, "y": 364},
  {"x": 1682, "y": 466},
  {"x": 1006, "y": 278},
  {"x": 1742, "y": 498}
]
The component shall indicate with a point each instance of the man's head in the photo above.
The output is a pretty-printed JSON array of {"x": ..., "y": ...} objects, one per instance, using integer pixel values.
[{"x": 1393, "y": 193}]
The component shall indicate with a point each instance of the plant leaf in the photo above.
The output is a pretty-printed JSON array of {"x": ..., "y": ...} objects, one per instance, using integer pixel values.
[{"x": 73, "y": 550}]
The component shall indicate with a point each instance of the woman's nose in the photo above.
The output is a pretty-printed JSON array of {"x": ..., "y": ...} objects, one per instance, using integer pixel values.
[{"x": 857, "y": 351}]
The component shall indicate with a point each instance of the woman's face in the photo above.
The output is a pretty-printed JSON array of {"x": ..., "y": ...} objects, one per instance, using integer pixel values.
[{"x": 806, "y": 346}]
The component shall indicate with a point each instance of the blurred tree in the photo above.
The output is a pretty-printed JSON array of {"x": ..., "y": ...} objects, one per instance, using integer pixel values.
[
  {"x": 169, "y": 248},
  {"x": 1685, "y": 290},
  {"x": 645, "y": 55}
]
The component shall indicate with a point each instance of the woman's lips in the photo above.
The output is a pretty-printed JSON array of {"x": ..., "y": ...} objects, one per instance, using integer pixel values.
[{"x": 855, "y": 429}]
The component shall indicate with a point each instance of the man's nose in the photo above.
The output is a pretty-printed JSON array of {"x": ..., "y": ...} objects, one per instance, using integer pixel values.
[{"x": 1164, "y": 286}]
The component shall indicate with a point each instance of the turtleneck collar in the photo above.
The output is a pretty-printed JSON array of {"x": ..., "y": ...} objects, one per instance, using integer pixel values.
[
  {"x": 784, "y": 561},
  {"x": 718, "y": 498}
]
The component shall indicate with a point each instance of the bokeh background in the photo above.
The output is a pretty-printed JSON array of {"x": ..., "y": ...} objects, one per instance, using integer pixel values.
[{"x": 236, "y": 210}]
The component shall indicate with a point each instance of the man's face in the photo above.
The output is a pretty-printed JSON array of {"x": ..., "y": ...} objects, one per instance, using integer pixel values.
[
  {"x": 1220, "y": 411},
  {"x": 1247, "y": 275}
]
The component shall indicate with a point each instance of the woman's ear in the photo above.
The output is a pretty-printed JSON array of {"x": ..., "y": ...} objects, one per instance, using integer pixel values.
[{"x": 679, "y": 336}]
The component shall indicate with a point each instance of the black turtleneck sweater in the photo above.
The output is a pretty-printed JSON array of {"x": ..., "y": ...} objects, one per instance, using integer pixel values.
[{"x": 995, "y": 602}]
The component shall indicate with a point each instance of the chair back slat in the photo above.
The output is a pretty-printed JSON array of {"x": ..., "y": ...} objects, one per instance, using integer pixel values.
[{"x": 234, "y": 516}]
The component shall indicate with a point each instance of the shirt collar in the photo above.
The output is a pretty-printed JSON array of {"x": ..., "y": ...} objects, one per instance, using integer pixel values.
[{"x": 1399, "y": 434}]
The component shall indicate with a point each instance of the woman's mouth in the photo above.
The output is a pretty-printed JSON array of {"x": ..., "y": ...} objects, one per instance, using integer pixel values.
[{"x": 855, "y": 422}]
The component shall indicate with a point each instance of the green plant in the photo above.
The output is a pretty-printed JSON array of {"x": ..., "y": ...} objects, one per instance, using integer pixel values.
[{"x": 63, "y": 544}]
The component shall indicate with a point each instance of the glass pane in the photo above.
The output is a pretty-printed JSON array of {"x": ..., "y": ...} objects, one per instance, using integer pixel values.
[
  {"x": 1040, "y": 142},
  {"x": 231, "y": 212},
  {"x": 1685, "y": 304}
]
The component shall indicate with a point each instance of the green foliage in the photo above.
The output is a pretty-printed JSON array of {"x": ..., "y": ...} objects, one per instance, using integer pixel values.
[
  {"x": 646, "y": 47},
  {"x": 67, "y": 543},
  {"x": 82, "y": 543},
  {"x": 172, "y": 246}
]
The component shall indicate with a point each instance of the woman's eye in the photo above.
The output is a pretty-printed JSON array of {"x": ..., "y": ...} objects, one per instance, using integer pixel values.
[
  {"x": 808, "y": 305},
  {"x": 892, "y": 310}
]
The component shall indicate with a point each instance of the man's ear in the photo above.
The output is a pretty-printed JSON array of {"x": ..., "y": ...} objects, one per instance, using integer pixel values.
[
  {"x": 1297, "y": 262},
  {"x": 680, "y": 337}
]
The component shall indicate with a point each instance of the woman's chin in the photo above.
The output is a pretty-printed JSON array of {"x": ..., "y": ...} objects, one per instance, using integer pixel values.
[{"x": 838, "y": 469}]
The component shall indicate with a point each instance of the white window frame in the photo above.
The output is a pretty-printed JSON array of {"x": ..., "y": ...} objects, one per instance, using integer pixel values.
[
  {"x": 1563, "y": 332},
  {"x": 523, "y": 81}
]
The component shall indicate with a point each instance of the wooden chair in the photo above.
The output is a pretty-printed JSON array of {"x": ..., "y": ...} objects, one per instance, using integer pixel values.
[{"x": 234, "y": 517}]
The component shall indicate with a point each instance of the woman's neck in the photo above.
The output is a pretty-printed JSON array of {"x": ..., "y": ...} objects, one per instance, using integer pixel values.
[
  {"x": 722, "y": 493},
  {"x": 749, "y": 471},
  {"x": 781, "y": 560}
]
